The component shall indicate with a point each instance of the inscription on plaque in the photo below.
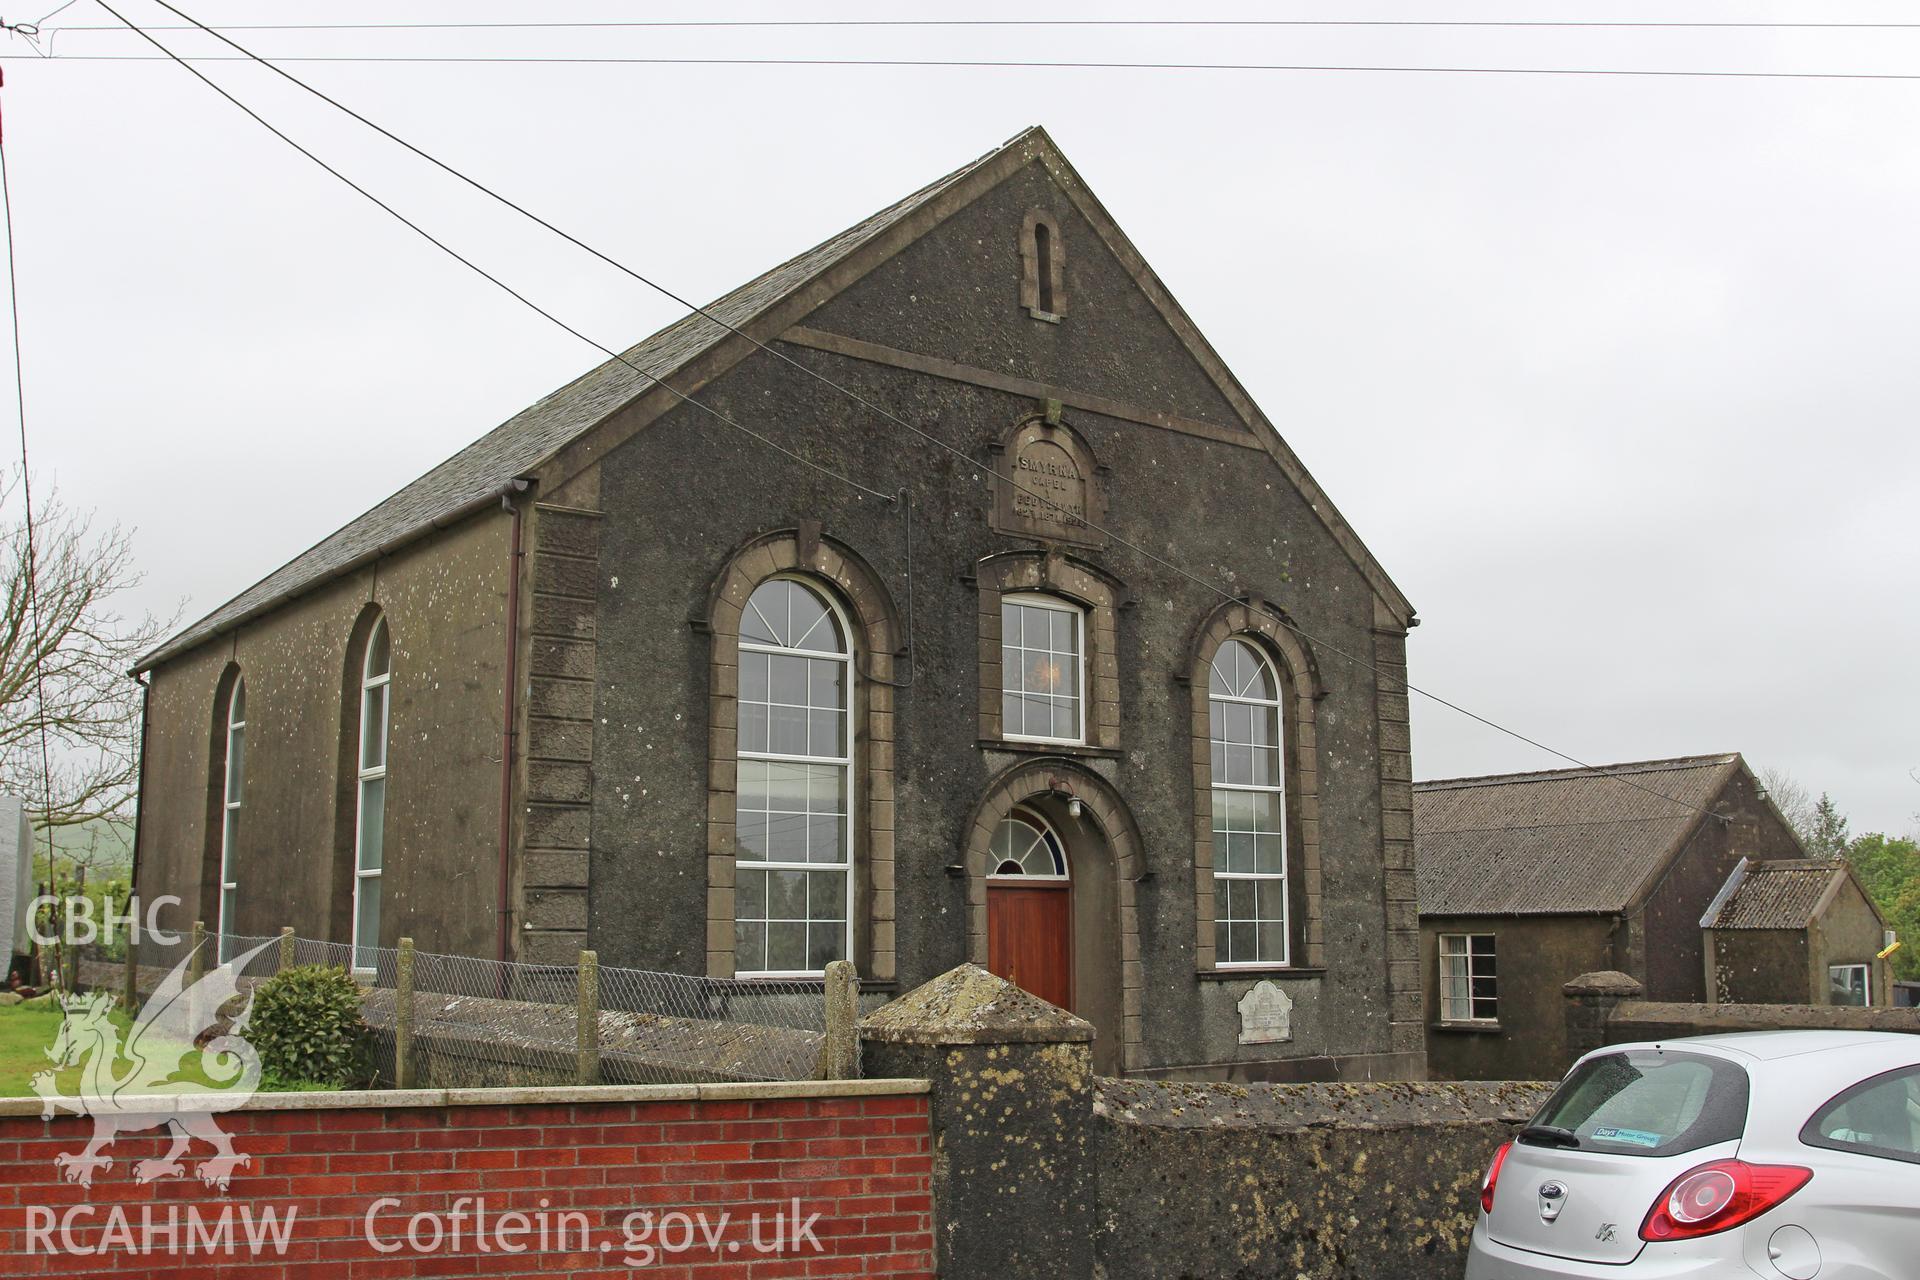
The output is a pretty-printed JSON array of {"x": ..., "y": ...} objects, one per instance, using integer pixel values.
[
  {"x": 1048, "y": 485},
  {"x": 1266, "y": 1015},
  {"x": 1048, "y": 488}
]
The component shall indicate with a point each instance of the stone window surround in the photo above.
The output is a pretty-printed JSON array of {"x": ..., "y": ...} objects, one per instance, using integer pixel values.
[
  {"x": 1052, "y": 573},
  {"x": 1108, "y": 813},
  {"x": 836, "y": 570},
  {"x": 1254, "y": 622},
  {"x": 1030, "y": 267}
]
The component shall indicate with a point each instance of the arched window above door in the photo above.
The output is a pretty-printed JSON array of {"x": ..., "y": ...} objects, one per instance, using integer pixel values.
[{"x": 1025, "y": 846}]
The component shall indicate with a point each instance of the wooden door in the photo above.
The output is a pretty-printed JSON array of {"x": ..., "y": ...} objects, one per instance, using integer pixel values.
[{"x": 1030, "y": 938}]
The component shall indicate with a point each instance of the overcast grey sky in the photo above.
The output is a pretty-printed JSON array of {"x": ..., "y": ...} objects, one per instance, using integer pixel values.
[{"x": 1616, "y": 376}]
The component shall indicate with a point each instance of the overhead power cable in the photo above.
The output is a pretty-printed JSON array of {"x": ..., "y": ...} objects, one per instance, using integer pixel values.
[
  {"x": 973, "y": 463},
  {"x": 36, "y": 648},
  {"x": 502, "y": 285},
  {"x": 909, "y": 23},
  {"x": 984, "y": 64}
]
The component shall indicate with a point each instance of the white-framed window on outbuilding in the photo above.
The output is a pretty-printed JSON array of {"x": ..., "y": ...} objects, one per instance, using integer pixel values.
[
  {"x": 1849, "y": 984},
  {"x": 1469, "y": 978},
  {"x": 370, "y": 813},
  {"x": 1043, "y": 669},
  {"x": 794, "y": 796},
  {"x": 232, "y": 797},
  {"x": 1249, "y": 809}
]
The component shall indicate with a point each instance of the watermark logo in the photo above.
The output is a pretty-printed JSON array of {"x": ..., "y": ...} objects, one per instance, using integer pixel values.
[{"x": 175, "y": 1068}]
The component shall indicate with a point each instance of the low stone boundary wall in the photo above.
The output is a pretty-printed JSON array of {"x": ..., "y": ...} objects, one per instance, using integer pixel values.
[
  {"x": 1657, "y": 1020},
  {"x": 1606, "y": 1008},
  {"x": 677, "y": 1181},
  {"x": 1295, "y": 1182}
]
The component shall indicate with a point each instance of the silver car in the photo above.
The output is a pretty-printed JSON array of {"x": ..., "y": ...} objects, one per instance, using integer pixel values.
[{"x": 1787, "y": 1155}]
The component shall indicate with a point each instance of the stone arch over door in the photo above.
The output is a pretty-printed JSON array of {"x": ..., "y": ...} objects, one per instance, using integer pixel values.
[
  {"x": 807, "y": 554},
  {"x": 1256, "y": 622},
  {"x": 1048, "y": 782}
]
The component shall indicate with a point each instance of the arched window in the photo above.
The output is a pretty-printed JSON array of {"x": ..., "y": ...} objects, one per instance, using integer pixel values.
[
  {"x": 1023, "y": 845},
  {"x": 232, "y": 795},
  {"x": 1042, "y": 280},
  {"x": 1042, "y": 669},
  {"x": 1249, "y": 809},
  {"x": 793, "y": 871},
  {"x": 370, "y": 812}
]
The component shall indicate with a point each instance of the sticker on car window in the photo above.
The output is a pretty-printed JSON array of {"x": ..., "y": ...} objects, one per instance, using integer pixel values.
[{"x": 1635, "y": 1137}]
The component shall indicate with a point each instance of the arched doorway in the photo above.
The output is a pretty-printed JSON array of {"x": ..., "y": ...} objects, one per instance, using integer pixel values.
[
  {"x": 1030, "y": 907},
  {"x": 1099, "y": 850}
]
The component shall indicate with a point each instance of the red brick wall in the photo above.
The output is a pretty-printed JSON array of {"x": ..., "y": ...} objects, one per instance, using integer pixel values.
[{"x": 863, "y": 1163}]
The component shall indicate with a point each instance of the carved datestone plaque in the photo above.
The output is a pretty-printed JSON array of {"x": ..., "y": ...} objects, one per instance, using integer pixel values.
[
  {"x": 1266, "y": 1015},
  {"x": 1049, "y": 486}
]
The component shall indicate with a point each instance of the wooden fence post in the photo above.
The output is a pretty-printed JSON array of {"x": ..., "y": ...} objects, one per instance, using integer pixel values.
[
  {"x": 403, "y": 1066},
  {"x": 587, "y": 1063},
  {"x": 286, "y": 946},
  {"x": 130, "y": 980},
  {"x": 196, "y": 969}
]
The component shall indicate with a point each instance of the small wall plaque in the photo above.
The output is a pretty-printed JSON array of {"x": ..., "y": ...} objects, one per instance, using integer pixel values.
[{"x": 1266, "y": 1015}]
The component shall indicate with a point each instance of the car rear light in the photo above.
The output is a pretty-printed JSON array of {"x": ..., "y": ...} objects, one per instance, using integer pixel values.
[
  {"x": 1720, "y": 1196},
  {"x": 1492, "y": 1179}
]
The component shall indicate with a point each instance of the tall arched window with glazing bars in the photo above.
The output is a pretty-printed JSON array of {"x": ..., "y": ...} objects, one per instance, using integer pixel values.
[
  {"x": 793, "y": 871},
  {"x": 370, "y": 811},
  {"x": 232, "y": 796},
  {"x": 1249, "y": 809}
]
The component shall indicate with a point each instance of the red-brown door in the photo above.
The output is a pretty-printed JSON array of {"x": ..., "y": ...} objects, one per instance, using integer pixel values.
[{"x": 1030, "y": 938}]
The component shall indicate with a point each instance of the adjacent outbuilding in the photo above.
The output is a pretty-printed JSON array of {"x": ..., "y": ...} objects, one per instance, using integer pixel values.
[
  {"x": 1797, "y": 931},
  {"x": 1528, "y": 880}
]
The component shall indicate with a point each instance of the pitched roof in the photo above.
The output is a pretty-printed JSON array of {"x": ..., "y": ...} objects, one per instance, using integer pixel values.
[
  {"x": 1561, "y": 842},
  {"x": 478, "y": 474},
  {"x": 1773, "y": 895}
]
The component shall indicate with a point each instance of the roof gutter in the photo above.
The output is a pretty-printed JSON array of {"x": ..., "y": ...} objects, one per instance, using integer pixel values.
[{"x": 174, "y": 648}]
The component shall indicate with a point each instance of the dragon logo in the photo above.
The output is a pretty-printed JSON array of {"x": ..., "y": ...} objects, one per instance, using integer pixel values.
[{"x": 146, "y": 1082}]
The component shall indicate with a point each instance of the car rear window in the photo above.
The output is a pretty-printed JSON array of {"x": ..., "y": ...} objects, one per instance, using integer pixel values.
[
  {"x": 1650, "y": 1102},
  {"x": 1877, "y": 1117}
]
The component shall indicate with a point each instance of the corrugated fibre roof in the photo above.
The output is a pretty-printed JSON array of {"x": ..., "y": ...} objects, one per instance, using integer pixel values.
[
  {"x": 1561, "y": 842},
  {"x": 1777, "y": 895}
]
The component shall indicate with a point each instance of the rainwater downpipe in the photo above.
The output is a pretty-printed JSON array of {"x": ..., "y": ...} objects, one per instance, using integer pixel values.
[{"x": 504, "y": 927}]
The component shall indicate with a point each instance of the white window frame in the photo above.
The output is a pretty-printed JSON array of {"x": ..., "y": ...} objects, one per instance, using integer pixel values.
[
  {"x": 233, "y": 790},
  {"x": 1866, "y": 982},
  {"x": 1278, "y": 789},
  {"x": 1056, "y": 604},
  {"x": 1449, "y": 1010},
  {"x": 370, "y": 684},
  {"x": 843, "y": 762}
]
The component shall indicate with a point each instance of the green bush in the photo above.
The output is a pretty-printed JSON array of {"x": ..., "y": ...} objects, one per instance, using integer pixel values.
[{"x": 306, "y": 1026}]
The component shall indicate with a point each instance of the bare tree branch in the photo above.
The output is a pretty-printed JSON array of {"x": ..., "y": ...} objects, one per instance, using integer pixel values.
[{"x": 65, "y": 651}]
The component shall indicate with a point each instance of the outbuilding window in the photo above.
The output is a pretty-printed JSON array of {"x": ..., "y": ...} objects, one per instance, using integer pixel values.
[
  {"x": 794, "y": 827},
  {"x": 1469, "y": 978},
  {"x": 1249, "y": 809},
  {"x": 1848, "y": 984},
  {"x": 369, "y": 847},
  {"x": 1042, "y": 669},
  {"x": 232, "y": 796}
]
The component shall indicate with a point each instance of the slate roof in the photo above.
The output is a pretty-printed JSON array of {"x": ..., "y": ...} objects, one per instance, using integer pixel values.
[
  {"x": 481, "y": 471},
  {"x": 1774, "y": 895},
  {"x": 1562, "y": 842}
]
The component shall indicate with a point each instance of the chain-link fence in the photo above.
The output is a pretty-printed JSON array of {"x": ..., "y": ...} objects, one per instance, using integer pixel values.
[{"x": 461, "y": 1021}]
